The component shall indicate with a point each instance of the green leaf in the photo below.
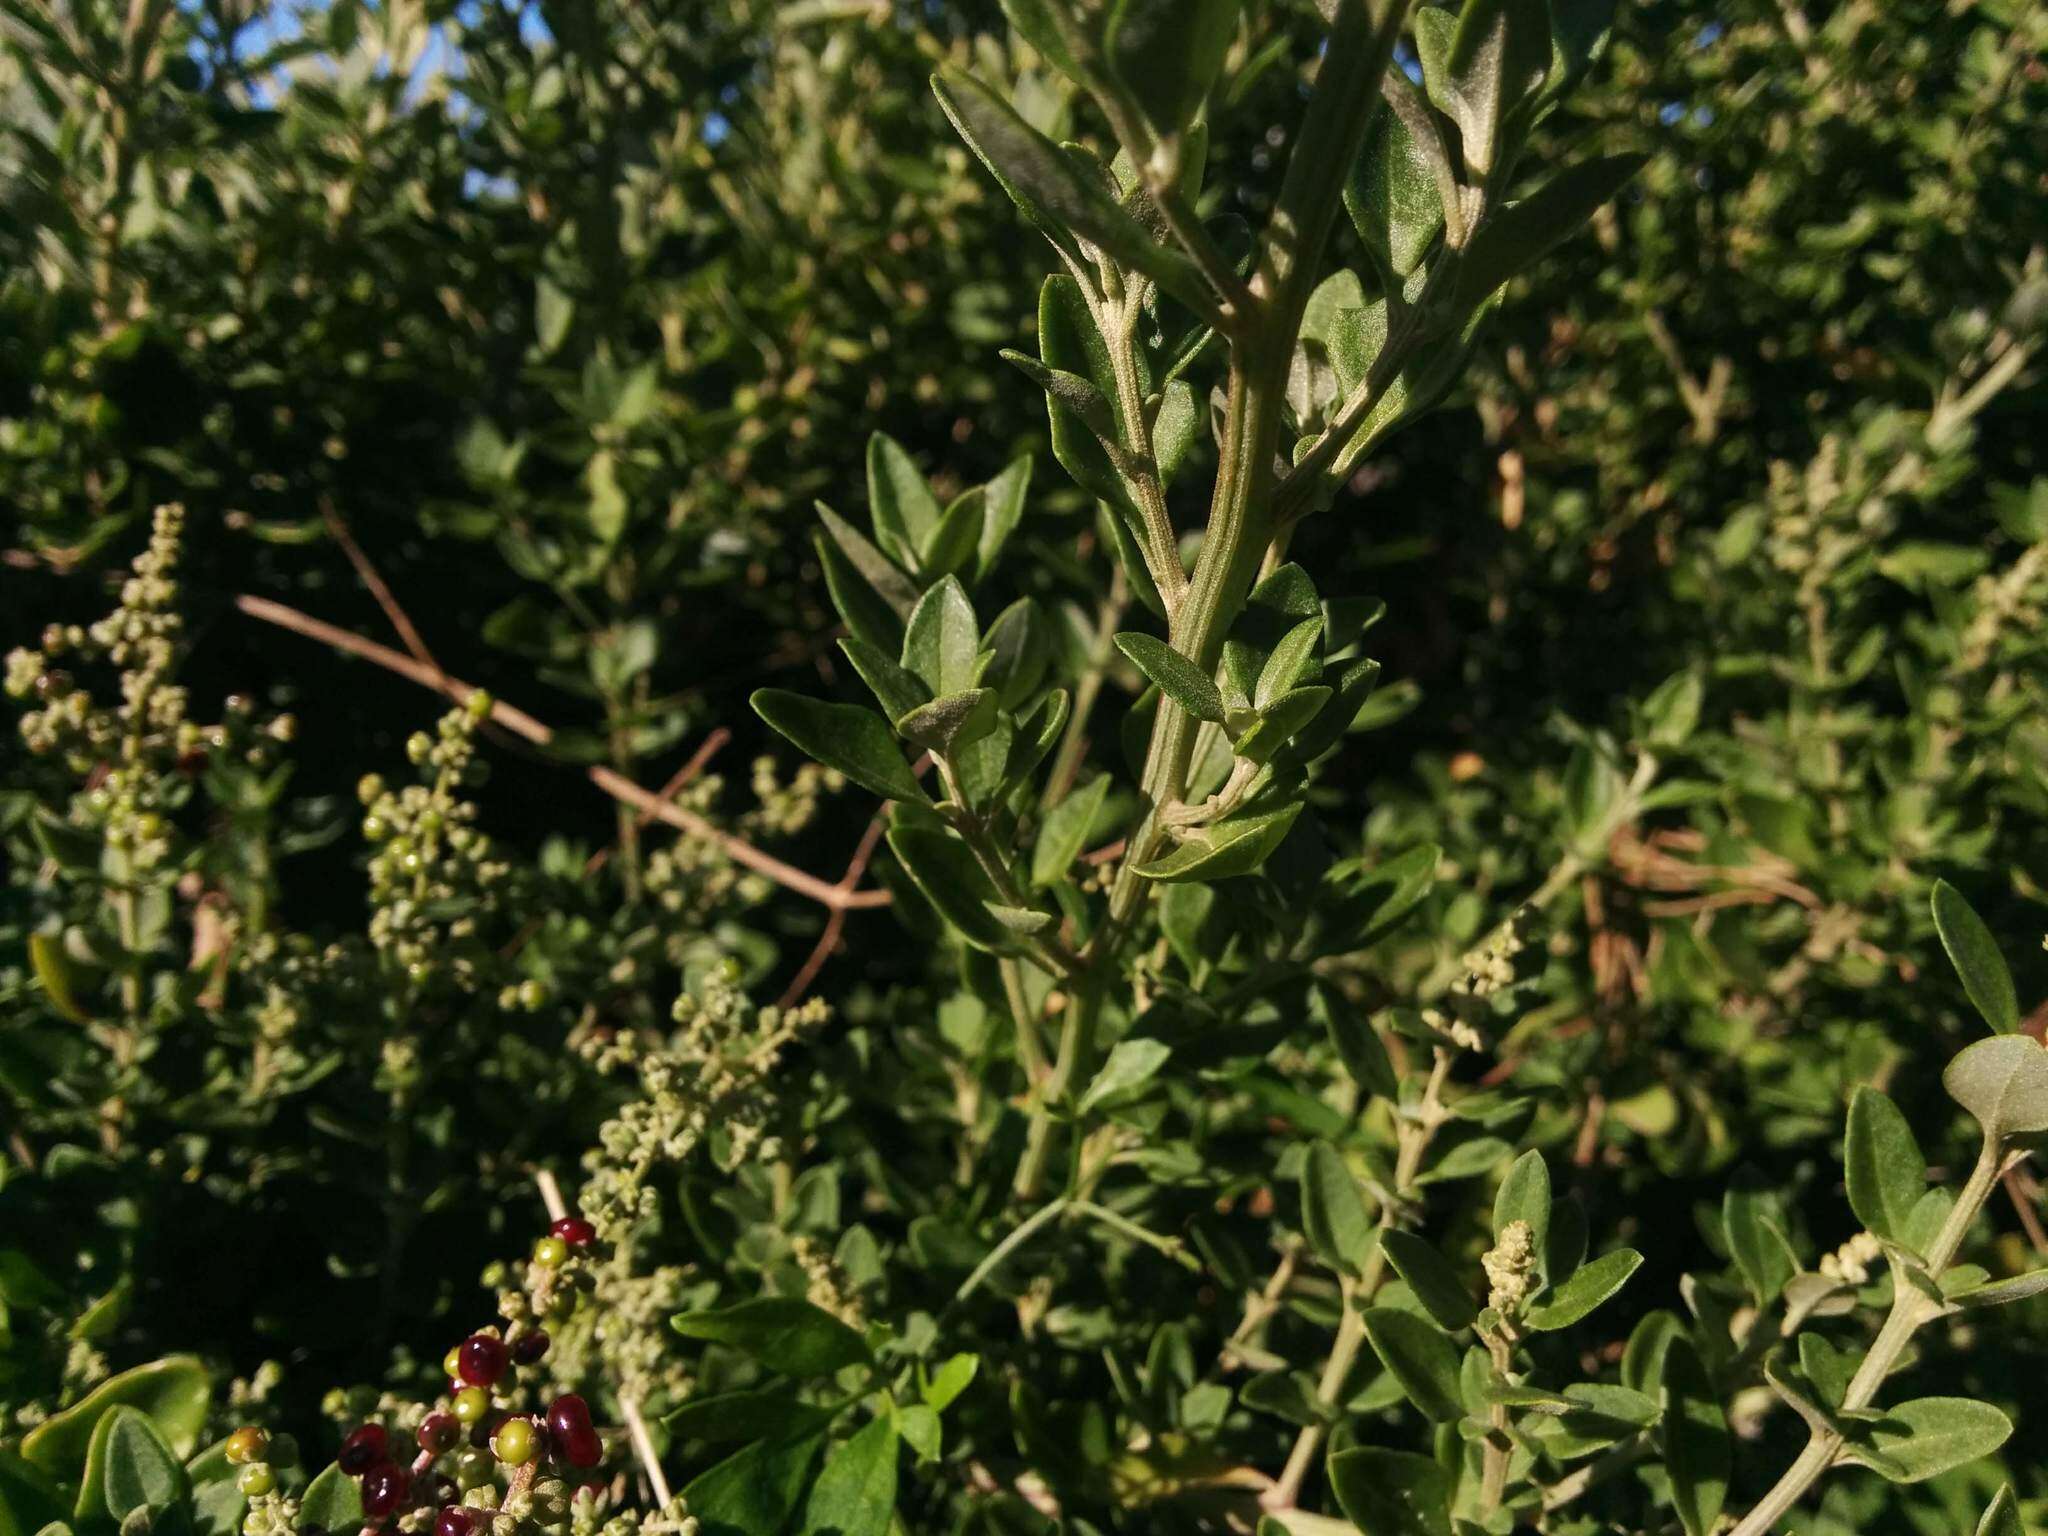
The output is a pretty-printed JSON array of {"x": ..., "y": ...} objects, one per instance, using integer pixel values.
[
  {"x": 1065, "y": 832},
  {"x": 333, "y": 1501},
  {"x": 1275, "y": 608},
  {"x": 1053, "y": 190},
  {"x": 1696, "y": 1441},
  {"x": 1422, "y": 1359},
  {"x": 1279, "y": 723},
  {"x": 950, "y": 1380},
  {"x": 949, "y": 725},
  {"x": 1430, "y": 1276},
  {"x": 855, "y": 1495},
  {"x": 2002, "y": 1515},
  {"x": 2003, "y": 1081},
  {"x": 882, "y": 575},
  {"x": 174, "y": 1392},
  {"x": 140, "y": 1470},
  {"x": 1018, "y": 650},
  {"x": 1828, "y": 1368},
  {"x": 1002, "y": 509},
  {"x": 855, "y": 741},
  {"x": 782, "y": 1332},
  {"x": 754, "y": 1490},
  {"x": 1524, "y": 1195},
  {"x": 1178, "y": 678},
  {"x": 897, "y": 689},
  {"x": 1131, "y": 1066},
  {"x": 1756, "y": 1242},
  {"x": 1333, "y": 1212},
  {"x": 900, "y": 501},
  {"x": 1886, "y": 1173},
  {"x": 725, "y": 1417},
  {"x": 29, "y": 1499},
  {"x": 1167, "y": 52},
  {"x": 942, "y": 643},
  {"x": 953, "y": 880},
  {"x": 1587, "y": 1288},
  {"x": 868, "y": 617},
  {"x": 1357, "y": 1043},
  {"x": 1974, "y": 954},
  {"x": 1234, "y": 846},
  {"x": 1392, "y": 196},
  {"x": 1928, "y": 1436},
  {"x": 1392, "y": 1493},
  {"x": 1999, "y": 1293},
  {"x": 1518, "y": 235},
  {"x": 950, "y": 546},
  {"x": 1290, "y": 664}
]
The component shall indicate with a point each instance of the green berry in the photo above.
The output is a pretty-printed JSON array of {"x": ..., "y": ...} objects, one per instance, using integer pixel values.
[
  {"x": 256, "y": 1479},
  {"x": 451, "y": 1363},
  {"x": 473, "y": 1469},
  {"x": 246, "y": 1444},
  {"x": 471, "y": 1404},
  {"x": 550, "y": 1252},
  {"x": 515, "y": 1442}
]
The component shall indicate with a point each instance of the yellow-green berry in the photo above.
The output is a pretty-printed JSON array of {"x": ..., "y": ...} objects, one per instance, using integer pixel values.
[
  {"x": 246, "y": 1444},
  {"x": 256, "y": 1479},
  {"x": 514, "y": 1443},
  {"x": 471, "y": 1404},
  {"x": 550, "y": 1252}
]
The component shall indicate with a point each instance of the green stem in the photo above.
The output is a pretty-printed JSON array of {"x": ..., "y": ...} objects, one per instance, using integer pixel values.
[
  {"x": 1910, "y": 1310},
  {"x": 1024, "y": 1232}
]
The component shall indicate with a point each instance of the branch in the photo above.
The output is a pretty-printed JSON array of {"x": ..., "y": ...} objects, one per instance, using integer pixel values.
[{"x": 520, "y": 723}]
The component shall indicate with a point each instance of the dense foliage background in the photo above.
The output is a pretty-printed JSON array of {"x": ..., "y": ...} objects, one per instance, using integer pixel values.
[{"x": 521, "y": 339}]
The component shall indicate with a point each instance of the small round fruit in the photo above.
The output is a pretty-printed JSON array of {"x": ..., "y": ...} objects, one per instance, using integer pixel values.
[
  {"x": 529, "y": 1346},
  {"x": 570, "y": 1429},
  {"x": 438, "y": 1432},
  {"x": 454, "y": 1521},
  {"x": 550, "y": 1252},
  {"x": 481, "y": 1359},
  {"x": 473, "y": 1469},
  {"x": 515, "y": 1442},
  {"x": 471, "y": 1404},
  {"x": 385, "y": 1490},
  {"x": 574, "y": 1231},
  {"x": 246, "y": 1444},
  {"x": 451, "y": 1363},
  {"x": 362, "y": 1450},
  {"x": 256, "y": 1479}
]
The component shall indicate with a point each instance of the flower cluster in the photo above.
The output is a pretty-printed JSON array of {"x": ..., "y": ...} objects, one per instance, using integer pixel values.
[
  {"x": 711, "y": 1084},
  {"x": 433, "y": 869}
]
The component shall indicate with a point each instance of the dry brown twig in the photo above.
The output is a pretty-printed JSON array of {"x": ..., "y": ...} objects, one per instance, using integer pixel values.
[{"x": 836, "y": 898}]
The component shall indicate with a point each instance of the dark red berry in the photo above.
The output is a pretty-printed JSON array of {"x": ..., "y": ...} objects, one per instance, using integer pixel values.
[
  {"x": 438, "y": 1432},
  {"x": 570, "y": 1430},
  {"x": 529, "y": 1346},
  {"x": 362, "y": 1450},
  {"x": 483, "y": 1359},
  {"x": 453, "y": 1521},
  {"x": 385, "y": 1490},
  {"x": 574, "y": 1231}
]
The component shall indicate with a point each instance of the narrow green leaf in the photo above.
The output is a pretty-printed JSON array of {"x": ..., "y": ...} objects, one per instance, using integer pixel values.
[
  {"x": 784, "y": 1333},
  {"x": 1974, "y": 954},
  {"x": 2002, "y": 1515},
  {"x": 1002, "y": 509},
  {"x": 942, "y": 643},
  {"x": 1886, "y": 1173},
  {"x": 855, "y": 1495},
  {"x": 1392, "y": 196},
  {"x": 1124, "y": 1077},
  {"x": 1585, "y": 1290},
  {"x": 1167, "y": 53},
  {"x": 887, "y": 579},
  {"x": 1696, "y": 1441},
  {"x": 1333, "y": 1213},
  {"x": 1178, "y": 678},
  {"x": 1749, "y": 1217},
  {"x": 895, "y": 688},
  {"x": 1999, "y": 1293},
  {"x": 1279, "y": 722},
  {"x": 1065, "y": 832},
  {"x": 900, "y": 501},
  {"x": 1290, "y": 665},
  {"x": 1232, "y": 847},
  {"x": 954, "y": 882},
  {"x": 1518, "y": 235},
  {"x": 1421, "y": 1358},
  {"x": 1357, "y": 1043},
  {"x": 1054, "y": 192},
  {"x": 855, "y": 741},
  {"x": 1430, "y": 1276}
]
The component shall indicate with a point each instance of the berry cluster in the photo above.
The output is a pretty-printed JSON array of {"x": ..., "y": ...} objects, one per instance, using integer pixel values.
[
  {"x": 258, "y": 1456},
  {"x": 481, "y": 1433}
]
